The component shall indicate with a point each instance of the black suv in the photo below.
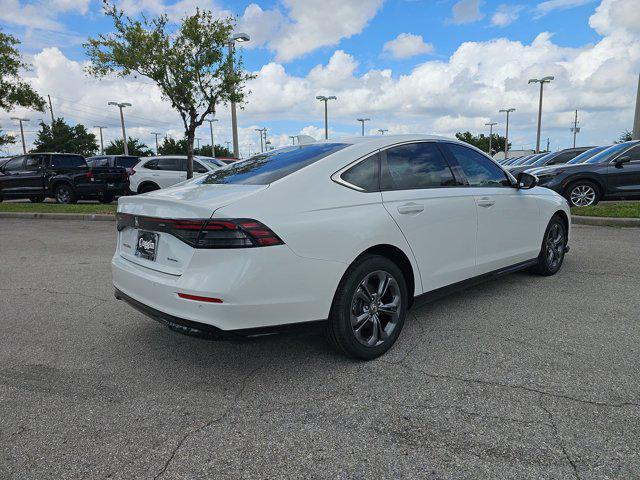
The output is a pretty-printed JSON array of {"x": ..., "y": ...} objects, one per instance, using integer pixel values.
[
  {"x": 65, "y": 177},
  {"x": 553, "y": 158},
  {"x": 614, "y": 173}
]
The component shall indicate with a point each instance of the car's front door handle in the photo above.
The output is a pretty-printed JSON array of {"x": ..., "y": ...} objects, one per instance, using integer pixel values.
[
  {"x": 409, "y": 208},
  {"x": 486, "y": 202}
]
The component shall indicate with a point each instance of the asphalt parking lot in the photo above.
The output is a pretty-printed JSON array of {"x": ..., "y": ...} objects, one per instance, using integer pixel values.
[{"x": 523, "y": 377}]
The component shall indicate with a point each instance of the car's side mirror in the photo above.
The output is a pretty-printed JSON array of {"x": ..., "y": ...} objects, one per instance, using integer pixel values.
[
  {"x": 526, "y": 181},
  {"x": 622, "y": 160}
]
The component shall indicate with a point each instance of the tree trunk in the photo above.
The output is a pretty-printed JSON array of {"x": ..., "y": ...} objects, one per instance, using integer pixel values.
[{"x": 191, "y": 136}]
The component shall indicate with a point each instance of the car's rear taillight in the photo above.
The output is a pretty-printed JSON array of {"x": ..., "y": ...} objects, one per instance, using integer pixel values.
[
  {"x": 131, "y": 172},
  {"x": 207, "y": 233},
  {"x": 89, "y": 176}
]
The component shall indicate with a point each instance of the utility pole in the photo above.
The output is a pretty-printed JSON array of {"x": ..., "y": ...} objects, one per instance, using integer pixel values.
[
  {"x": 100, "y": 127},
  {"x": 636, "y": 121},
  {"x": 20, "y": 120},
  {"x": 124, "y": 134},
  {"x": 198, "y": 140},
  {"x": 324, "y": 99},
  {"x": 50, "y": 109},
  {"x": 261, "y": 131},
  {"x": 293, "y": 139},
  {"x": 506, "y": 136},
  {"x": 362, "y": 120},
  {"x": 541, "y": 81},
  {"x": 156, "y": 135},
  {"x": 548, "y": 144},
  {"x": 490, "y": 125},
  {"x": 575, "y": 129},
  {"x": 213, "y": 148},
  {"x": 382, "y": 130}
]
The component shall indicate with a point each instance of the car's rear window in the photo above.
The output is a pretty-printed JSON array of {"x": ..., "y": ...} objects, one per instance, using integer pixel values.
[
  {"x": 126, "y": 162},
  {"x": 271, "y": 166},
  {"x": 67, "y": 161}
]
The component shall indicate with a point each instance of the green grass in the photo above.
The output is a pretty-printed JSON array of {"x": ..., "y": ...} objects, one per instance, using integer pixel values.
[
  {"x": 55, "y": 208},
  {"x": 615, "y": 209}
]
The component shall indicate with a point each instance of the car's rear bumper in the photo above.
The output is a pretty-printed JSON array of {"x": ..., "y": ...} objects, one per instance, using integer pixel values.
[{"x": 101, "y": 189}]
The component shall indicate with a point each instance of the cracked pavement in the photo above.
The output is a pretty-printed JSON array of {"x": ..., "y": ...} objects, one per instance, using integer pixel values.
[{"x": 521, "y": 377}]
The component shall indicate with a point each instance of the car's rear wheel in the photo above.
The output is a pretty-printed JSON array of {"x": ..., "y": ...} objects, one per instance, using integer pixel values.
[
  {"x": 554, "y": 246},
  {"x": 106, "y": 198},
  {"x": 148, "y": 187},
  {"x": 583, "y": 194},
  {"x": 64, "y": 194},
  {"x": 37, "y": 199},
  {"x": 369, "y": 308}
]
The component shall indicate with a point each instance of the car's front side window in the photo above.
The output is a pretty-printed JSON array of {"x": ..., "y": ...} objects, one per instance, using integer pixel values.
[
  {"x": 479, "y": 170},
  {"x": 415, "y": 165},
  {"x": 14, "y": 165}
]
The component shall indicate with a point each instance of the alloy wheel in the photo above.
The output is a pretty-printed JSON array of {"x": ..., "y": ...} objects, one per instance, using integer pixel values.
[
  {"x": 63, "y": 194},
  {"x": 375, "y": 308},
  {"x": 583, "y": 196},
  {"x": 555, "y": 246}
]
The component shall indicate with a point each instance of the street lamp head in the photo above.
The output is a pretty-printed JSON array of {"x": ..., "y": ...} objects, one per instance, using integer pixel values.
[
  {"x": 240, "y": 37},
  {"x": 20, "y": 119},
  {"x": 332, "y": 97},
  {"x": 363, "y": 119},
  {"x": 321, "y": 97},
  {"x": 491, "y": 124},
  {"x": 548, "y": 79},
  {"x": 508, "y": 110}
]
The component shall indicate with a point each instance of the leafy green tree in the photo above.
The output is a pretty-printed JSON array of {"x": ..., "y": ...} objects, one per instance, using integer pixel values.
[
  {"x": 169, "y": 146},
  {"x": 62, "y": 137},
  {"x": 134, "y": 145},
  {"x": 5, "y": 138},
  {"x": 220, "y": 151},
  {"x": 482, "y": 141},
  {"x": 190, "y": 64},
  {"x": 625, "y": 136},
  {"x": 13, "y": 91}
]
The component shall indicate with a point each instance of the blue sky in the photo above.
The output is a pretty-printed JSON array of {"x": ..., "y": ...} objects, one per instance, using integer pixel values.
[{"x": 465, "y": 59}]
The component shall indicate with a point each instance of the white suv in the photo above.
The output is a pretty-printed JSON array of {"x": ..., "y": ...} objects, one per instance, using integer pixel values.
[{"x": 154, "y": 173}]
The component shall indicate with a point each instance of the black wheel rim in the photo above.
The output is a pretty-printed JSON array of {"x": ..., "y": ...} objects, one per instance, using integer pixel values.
[
  {"x": 555, "y": 246},
  {"x": 63, "y": 194},
  {"x": 375, "y": 308}
]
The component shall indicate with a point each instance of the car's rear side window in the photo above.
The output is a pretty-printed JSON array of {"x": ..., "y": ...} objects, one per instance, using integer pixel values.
[
  {"x": 67, "y": 161},
  {"x": 479, "y": 170},
  {"x": 415, "y": 165},
  {"x": 364, "y": 174},
  {"x": 172, "y": 164},
  {"x": 126, "y": 162},
  {"x": 271, "y": 166}
]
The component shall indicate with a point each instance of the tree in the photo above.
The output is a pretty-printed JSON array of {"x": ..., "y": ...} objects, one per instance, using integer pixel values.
[
  {"x": 13, "y": 91},
  {"x": 482, "y": 142},
  {"x": 169, "y": 146},
  {"x": 5, "y": 138},
  {"x": 134, "y": 145},
  {"x": 189, "y": 64},
  {"x": 220, "y": 151},
  {"x": 625, "y": 136},
  {"x": 62, "y": 137}
]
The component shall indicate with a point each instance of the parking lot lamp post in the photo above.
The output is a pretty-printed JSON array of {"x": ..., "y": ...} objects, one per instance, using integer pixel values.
[
  {"x": 324, "y": 99},
  {"x": 240, "y": 38},
  {"x": 506, "y": 136},
  {"x": 20, "y": 120},
  {"x": 636, "y": 120},
  {"x": 382, "y": 130},
  {"x": 575, "y": 129},
  {"x": 362, "y": 120},
  {"x": 124, "y": 134},
  {"x": 490, "y": 125},
  {"x": 541, "y": 81},
  {"x": 259, "y": 130},
  {"x": 100, "y": 127},
  {"x": 213, "y": 149},
  {"x": 293, "y": 139}
]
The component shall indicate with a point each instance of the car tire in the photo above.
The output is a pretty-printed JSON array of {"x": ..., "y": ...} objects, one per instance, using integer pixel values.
[
  {"x": 358, "y": 324},
  {"x": 554, "y": 245},
  {"x": 582, "y": 193},
  {"x": 106, "y": 198},
  {"x": 148, "y": 187},
  {"x": 65, "y": 194},
  {"x": 37, "y": 199}
]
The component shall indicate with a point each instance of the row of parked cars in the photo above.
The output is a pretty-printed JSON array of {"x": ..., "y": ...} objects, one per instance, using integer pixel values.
[
  {"x": 68, "y": 178},
  {"x": 586, "y": 175}
]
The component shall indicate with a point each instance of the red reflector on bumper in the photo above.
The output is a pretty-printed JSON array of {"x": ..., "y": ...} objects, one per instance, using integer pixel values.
[{"x": 197, "y": 298}]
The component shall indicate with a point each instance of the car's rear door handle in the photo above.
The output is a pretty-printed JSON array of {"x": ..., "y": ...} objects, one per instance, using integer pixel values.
[
  {"x": 486, "y": 202},
  {"x": 409, "y": 208}
]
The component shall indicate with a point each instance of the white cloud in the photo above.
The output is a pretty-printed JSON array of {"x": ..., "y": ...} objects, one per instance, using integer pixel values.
[
  {"x": 407, "y": 45},
  {"x": 549, "y": 6},
  {"x": 614, "y": 15},
  {"x": 467, "y": 11},
  {"x": 506, "y": 15}
]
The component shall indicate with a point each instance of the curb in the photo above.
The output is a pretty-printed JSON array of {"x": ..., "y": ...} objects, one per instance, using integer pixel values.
[
  {"x": 605, "y": 221},
  {"x": 104, "y": 217}
]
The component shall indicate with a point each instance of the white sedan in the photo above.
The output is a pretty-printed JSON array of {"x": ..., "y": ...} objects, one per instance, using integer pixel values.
[{"x": 350, "y": 231}]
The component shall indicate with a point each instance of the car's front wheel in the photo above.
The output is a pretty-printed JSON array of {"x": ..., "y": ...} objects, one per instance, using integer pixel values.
[
  {"x": 64, "y": 193},
  {"x": 369, "y": 308},
  {"x": 554, "y": 246}
]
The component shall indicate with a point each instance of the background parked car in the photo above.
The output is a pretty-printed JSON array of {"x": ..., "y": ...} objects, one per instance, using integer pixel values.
[
  {"x": 126, "y": 161},
  {"x": 583, "y": 157},
  {"x": 153, "y": 173},
  {"x": 614, "y": 173},
  {"x": 65, "y": 177},
  {"x": 553, "y": 158}
]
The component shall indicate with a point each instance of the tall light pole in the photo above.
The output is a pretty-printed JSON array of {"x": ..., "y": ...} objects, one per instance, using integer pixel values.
[
  {"x": 293, "y": 139},
  {"x": 506, "y": 136},
  {"x": 636, "y": 120},
  {"x": 213, "y": 148},
  {"x": 382, "y": 130},
  {"x": 324, "y": 99},
  {"x": 260, "y": 131},
  {"x": 124, "y": 134},
  {"x": 362, "y": 120},
  {"x": 20, "y": 120},
  {"x": 490, "y": 125},
  {"x": 156, "y": 135},
  {"x": 541, "y": 81},
  {"x": 198, "y": 140},
  {"x": 575, "y": 129},
  {"x": 100, "y": 127},
  {"x": 228, "y": 144},
  {"x": 237, "y": 37},
  {"x": 266, "y": 142}
]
